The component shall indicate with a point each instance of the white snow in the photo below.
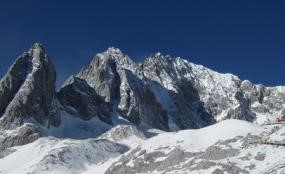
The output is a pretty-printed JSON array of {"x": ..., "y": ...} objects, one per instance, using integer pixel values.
[
  {"x": 199, "y": 139},
  {"x": 74, "y": 127},
  {"x": 58, "y": 156},
  {"x": 26, "y": 156},
  {"x": 38, "y": 156},
  {"x": 190, "y": 140}
]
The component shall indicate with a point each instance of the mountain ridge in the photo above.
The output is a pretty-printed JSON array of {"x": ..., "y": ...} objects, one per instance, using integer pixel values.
[
  {"x": 228, "y": 78},
  {"x": 168, "y": 82},
  {"x": 134, "y": 114}
]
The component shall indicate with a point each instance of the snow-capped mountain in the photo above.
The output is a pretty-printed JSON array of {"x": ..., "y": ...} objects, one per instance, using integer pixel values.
[
  {"x": 172, "y": 93},
  {"x": 118, "y": 116}
]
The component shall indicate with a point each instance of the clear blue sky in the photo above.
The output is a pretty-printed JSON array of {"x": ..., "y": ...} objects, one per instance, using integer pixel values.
[{"x": 243, "y": 37}]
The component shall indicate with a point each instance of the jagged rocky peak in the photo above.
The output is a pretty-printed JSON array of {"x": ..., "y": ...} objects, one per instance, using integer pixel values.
[
  {"x": 157, "y": 62},
  {"x": 16, "y": 75},
  {"x": 114, "y": 51},
  {"x": 158, "y": 57},
  {"x": 118, "y": 80},
  {"x": 168, "y": 71},
  {"x": 27, "y": 90},
  {"x": 116, "y": 55},
  {"x": 101, "y": 75}
]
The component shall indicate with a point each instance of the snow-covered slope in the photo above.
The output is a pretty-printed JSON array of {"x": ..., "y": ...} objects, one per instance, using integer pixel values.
[
  {"x": 230, "y": 146},
  {"x": 58, "y": 156}
]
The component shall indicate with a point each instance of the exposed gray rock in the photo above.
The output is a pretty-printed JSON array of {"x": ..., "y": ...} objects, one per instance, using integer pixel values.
[
  {"x": 139, "y": 161},
  {"x": 176, "y": 92},
  {"x": 252, "y": 140},
  {"x": 110, "y": 75},
  {"x": 54, "y": 114},
  {"x": 218, "y": 171},
  {"x": 246, "y": 157},
  {"x": 218, "y": 153},
  {"x": 172, "y": 93},
  {"x": 23, "y": 135},
  {"x": 251, "y": 166},
  {"x": 260, "y": 156},
  {"x": 101, "y": 75},
  {"x": 121, "y": 132},
  {"x": 138, "y": 103},
  {"x": 12, "y": 81},
  {"x": 31, "y": 91},
  {"x": 203, "y": 165},
  {"x": 27, "y": 99},
  {"x": 233, "y": 169},
  {"x": 5, "y": 152},
  {"x": 191, "y": 112}
]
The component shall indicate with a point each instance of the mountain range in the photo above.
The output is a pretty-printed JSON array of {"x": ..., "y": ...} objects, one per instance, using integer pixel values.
[{"x": 162, "y": 115}]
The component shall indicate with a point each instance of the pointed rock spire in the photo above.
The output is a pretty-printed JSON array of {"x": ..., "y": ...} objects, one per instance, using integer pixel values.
[{"x": 27, "y": 90}]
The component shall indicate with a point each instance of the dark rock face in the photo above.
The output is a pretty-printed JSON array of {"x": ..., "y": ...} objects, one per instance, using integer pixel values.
[
  {"x": 138, "y": 103},
  {"x": 78, "y": 94},
  {"x": 28, "y": 94},
  {"x": 191, "y": 112},
  {"x": 27, "y": 99},
  {"x": 13, "y": 80},
  {"x": 185, "y": 109}
]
